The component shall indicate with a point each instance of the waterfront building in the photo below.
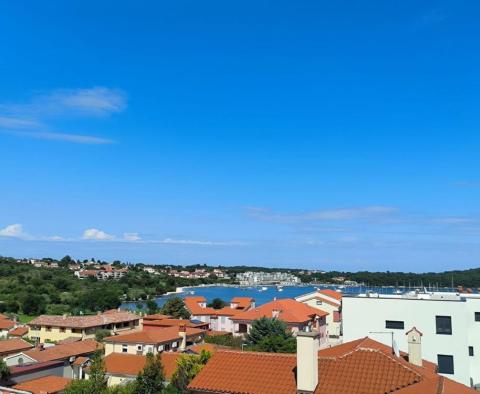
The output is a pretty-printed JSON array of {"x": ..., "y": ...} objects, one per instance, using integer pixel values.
[
  {"x": 449, "y": 322},
  {"x": 364, "y": 366},
  {"x": 329, "y": 301},
  {"x": 154, "y": 341},
  {"x": 251, "y": 278},
  {"x": 296, "y": 315},
  {"x": 218, "y": 319},
  {"x": 57, "y": 328}
]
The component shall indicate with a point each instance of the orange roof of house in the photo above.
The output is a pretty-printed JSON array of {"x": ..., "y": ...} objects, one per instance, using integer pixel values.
[
  {"x": 173, "y": 322},
  {"x": 45, "y": 385},
  {"x": 80, "y": 360},
  {"x": 6, "y": 324},
  {"x": 243, "y": 302},
  {"x": 168, "y": 334},
  {"x": 290, "y": 311},
  {"x": 208, "y": 347},
  {"x": 2, "y": 316},
  {"x": 18, "y": 331},
  {"x": 191, "y": 303},
  {"x": 16, "y": 345},
  {"x": 109, "y": 317},
  {"x": 64, "y": 351},
  {"x": 332, "y": 294},
  {"x": 132, "y": 364},
  {"x": 358, "y": 371},
  {"x": 156, "y": 316}
]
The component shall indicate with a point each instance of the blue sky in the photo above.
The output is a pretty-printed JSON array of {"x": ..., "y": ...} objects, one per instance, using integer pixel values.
[{"x": 329, "y": 135}]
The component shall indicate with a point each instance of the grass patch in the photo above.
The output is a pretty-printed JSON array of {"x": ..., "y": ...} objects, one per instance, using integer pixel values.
[{"x": 24, "y": 319}]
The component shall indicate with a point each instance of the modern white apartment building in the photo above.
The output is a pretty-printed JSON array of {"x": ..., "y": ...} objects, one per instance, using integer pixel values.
[
  {"x": 449, "y": 322},
  {"x": 257, "y": 278}
]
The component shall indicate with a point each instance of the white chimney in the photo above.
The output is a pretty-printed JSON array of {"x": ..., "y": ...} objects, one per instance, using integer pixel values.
[
  {"x": 182, "y": 333},
  {"x": 414, "y": 338},
  {"x": 307, "y": 361}
]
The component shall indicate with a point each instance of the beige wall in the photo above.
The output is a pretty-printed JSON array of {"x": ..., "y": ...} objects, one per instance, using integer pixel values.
[
  {"x": 333, "y": 328},
  {"x": 133, "y": 348},
  {"x": 56, "y": 334}
]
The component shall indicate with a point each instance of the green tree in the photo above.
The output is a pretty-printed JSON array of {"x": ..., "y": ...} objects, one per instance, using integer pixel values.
[
  {"x": 175, "y": 307},
  {"x": 277, "y": 344},
  {"x": 4, "y": 371},
  {"x": 150, "y": 380},
  {"x": 101, "y": 334},
  {"x": 152, "y": 307},
  {"x": 187, "y": 368},
  {"x": 217, "y": 303},
  {"x": 96, "y": 383},
  {"x": 265, "y": 327},
  {"x": 33, "y": 304}
]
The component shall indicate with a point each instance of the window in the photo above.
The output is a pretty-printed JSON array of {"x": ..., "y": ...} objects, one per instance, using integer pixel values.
[
  {"x": 444, "y": 325},
  {"x": 124, "y": 348},
  {"x": 394, "y": 324},
  {"x": 470, "y": 351},
  {"x": 62, "y": 329},
  {"x": 445, "y": 364},
  {"x": 477, "y": 316},
  {"x": 319, "y": 302},
  {"x": 48, "y": 328}
]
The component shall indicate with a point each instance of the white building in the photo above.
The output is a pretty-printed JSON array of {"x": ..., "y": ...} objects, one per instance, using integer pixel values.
[
  {"x": 449, "y": 322},
  {"x": 329, "y": 301}
]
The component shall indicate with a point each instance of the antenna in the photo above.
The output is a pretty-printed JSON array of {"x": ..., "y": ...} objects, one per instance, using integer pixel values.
[{"x": 394, "y": 345}]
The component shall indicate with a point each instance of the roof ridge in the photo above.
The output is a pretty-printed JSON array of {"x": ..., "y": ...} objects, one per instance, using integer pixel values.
[{"x": 265, "y": 354}]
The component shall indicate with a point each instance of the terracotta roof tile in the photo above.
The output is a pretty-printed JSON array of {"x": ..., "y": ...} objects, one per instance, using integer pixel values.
[
  {"x": 15, "y": 345},
  {"x": 47, "y": 384},
  {"x": 173, "y": 323},
  {"x": 156, "y": 316},
  {"x": 18, "y": 331},
  {"x": 132, "y": 364},
  {"x": 84, "y": 321},
  {"x": 243, "y": 302},
  {"x": 164, "y": 335},
  {"x": 2, "y": 316},
  {"x": 65, "y": 351},
  {"x": 290, "y": 311},
  {"x": 332, "y": 294},
  {"x": 360, "y": 367},
  {"x": 192, "y": 304},
  {"x": 6, "y": 324},
  {"x": 208, "y": 347}
]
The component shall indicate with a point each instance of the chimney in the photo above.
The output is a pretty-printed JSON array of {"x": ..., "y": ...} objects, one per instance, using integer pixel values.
[
  {"x": 414, "y": 338},
  {"x": 307, "y": 361},
  {"x": 64, "y": 316},
  {"x": 182, "y": 333},
  {"x": 275, "y": 313}
]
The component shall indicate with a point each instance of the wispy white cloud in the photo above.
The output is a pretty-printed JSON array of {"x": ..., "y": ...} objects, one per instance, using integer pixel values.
[
  {"x": 75, "y": 138},
  {"x": 98, "y": 235},
  {"x": 328, "y": 215},
  {"x": 13, "y": 231},
  {"x": 132, "y": 237},
  {"x": 32, "y": 119},
  {"x": 96, "y": 101},
  {"x": 191, "y": 242}
]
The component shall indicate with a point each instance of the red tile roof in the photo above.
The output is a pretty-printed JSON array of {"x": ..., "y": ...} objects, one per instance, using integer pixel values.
[
  {"x": 18, "y": 331},
  {"x": 355, "y": 369},
  {"x": 156, "y": 316},
  {"x": 168, "y": 334},
  {"x": 6, "y": 324},
  {"x": 101, "y": 319},
  {"x": 332, "y": 294},
  {"x": 173, "y": 323},
  {"x": 192, "y": 304},
  {"x": 243, "y": 302},
  {"x": 132, "y": 364},
  {"x": 290, "y": 311},
  {"x": 2, "y": 316},
  {"x": 208, "y": 347},
  {"x": 44, "y": 385},
  {"x": 80, "y": 360},
  {"x": 65, "y": 351},
  {"x": 12, "y": 346}
]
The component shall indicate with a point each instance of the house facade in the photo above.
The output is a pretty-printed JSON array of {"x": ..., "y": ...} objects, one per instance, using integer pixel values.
[
  {"x": 329, "y": 301},
  {"x": 59, "y": 328}
]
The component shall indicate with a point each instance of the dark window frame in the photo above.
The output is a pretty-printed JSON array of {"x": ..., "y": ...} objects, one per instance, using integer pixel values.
[
  {"x": 477, "y": 316},
  {"x": 442, "y": 329},
  {"x": 471, "y": 352},
  {"x": 395, "y": 324},
  {"x": 449, "y": 368}
]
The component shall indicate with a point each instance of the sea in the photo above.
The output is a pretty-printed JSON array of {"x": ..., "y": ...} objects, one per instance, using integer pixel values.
[{"x": 264, "y": 294}]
